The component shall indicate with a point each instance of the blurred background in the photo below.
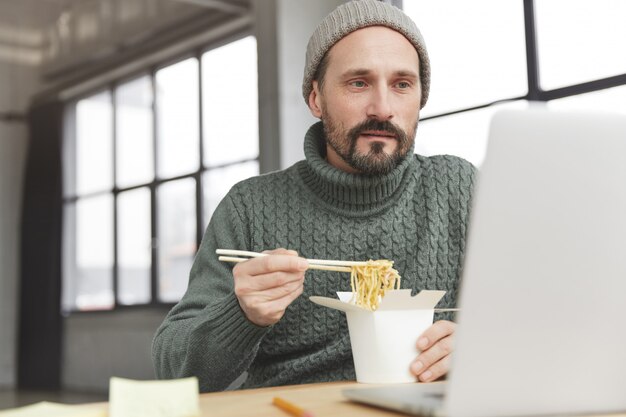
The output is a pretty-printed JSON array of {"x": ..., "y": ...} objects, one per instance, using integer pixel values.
[{"x": 124, "y": 122}]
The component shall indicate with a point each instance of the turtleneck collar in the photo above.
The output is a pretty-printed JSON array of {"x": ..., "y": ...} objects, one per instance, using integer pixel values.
[{"x": 351, "y": 193}]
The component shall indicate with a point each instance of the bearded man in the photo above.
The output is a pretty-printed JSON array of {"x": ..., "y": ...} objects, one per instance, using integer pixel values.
[{"x": 361, "y": 193}]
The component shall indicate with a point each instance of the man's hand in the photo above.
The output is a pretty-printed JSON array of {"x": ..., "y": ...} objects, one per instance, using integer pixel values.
[
  {"x": 266, "y": 286},
  {"x": 436, "y": 345}
]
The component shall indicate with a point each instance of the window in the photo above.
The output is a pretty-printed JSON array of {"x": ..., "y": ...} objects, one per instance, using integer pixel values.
[
  {"x": 94, "y": 145},
  {"x": 134, "y": 133},
  {"x": 462, "y": 134},
  {"x": 230, "y": 96},
  {"x": 177, "y": 119},
  {"x": 491, "y": 54},
  {"x": 177, "y": 230},
  {"x": 94, "y": 252},
  {"x": 580, "y": 41},
  {"x": 607, "y": 100},
  {"x": 474, "y": 66},
  {"x": 147, "y": 163},
  {"x": 134, "y": 246}
]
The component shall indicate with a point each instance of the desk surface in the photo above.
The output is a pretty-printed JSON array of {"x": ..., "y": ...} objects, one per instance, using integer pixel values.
[
  {"x": 320, "y": 399},
  {"x": 323, "y": 400}
]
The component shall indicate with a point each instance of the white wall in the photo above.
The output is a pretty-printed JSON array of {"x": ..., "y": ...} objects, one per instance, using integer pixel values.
[
  {"x": 17, "y": 84},
  {"x": 283, "y": 28},
  {"x": 297, "y": 21}
]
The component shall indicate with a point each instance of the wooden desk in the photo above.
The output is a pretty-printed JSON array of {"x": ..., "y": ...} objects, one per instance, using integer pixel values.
[
  {"x": 323, "y": 400},
  {"x": 320, "y": 399}
]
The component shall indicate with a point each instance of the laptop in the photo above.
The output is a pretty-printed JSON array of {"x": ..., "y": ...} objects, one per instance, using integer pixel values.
[{"x": 542, "y": 326}]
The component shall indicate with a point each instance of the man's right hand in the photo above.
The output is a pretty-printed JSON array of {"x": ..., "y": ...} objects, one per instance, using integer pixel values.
[{"x": 266, "y": 286}]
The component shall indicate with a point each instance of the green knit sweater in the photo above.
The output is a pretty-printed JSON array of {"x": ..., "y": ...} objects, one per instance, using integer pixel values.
[{"x": 416, "y": 216}]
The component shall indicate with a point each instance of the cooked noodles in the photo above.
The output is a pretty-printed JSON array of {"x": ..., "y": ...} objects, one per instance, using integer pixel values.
[{"x": 370, "y": 282}]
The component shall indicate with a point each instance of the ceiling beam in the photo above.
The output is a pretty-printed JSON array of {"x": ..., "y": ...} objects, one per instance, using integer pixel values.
[
  {"x": 13, "y": 34},
  {"x": 21, "y": 55}
]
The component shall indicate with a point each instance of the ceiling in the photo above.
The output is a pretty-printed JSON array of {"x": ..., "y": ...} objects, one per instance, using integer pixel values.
[
  {"x": 30, "y": 14},
  {"x": 38, "y": 14},
  {"x": 30, "y": 29}
]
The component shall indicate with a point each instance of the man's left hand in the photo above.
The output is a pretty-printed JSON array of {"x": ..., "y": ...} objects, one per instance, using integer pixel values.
[{"x": 435, "y": 345}]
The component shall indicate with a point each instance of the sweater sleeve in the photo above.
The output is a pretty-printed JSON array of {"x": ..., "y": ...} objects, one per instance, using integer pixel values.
[
  {"x": 206, "y": 334},
  {"x": 460, "y": 185}
]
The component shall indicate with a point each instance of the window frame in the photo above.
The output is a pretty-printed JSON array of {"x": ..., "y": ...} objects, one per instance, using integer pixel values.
[
  {"x": 69, "y": 174},
  {"x": 535, "y": 92}
]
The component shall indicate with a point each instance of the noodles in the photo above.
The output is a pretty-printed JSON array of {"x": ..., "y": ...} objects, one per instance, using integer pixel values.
[{"x": 371, "y": 282}]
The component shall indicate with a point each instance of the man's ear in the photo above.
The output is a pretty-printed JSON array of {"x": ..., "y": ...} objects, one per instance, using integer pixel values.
[{"x": 315, "y": 101}]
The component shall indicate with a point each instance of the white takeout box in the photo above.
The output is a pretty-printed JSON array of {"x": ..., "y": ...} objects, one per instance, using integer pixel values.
[{"x": 384, "y": 341}]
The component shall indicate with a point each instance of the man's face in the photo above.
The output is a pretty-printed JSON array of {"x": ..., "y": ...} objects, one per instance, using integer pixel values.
[{"x": 369, "y": 101}]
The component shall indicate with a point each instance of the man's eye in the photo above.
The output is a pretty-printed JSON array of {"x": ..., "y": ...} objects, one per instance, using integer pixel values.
[
  {"x": 403, "y": 84},
  {"x": 359, "y": 84}
]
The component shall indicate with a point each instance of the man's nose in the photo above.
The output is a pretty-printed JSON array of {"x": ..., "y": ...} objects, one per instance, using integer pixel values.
[{"x": 379, "y": 106}]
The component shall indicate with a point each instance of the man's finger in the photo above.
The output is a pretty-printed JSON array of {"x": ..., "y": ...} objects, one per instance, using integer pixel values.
[
  {"x": 285, "y": 301},
  {"x": 432, "y": 355},
  {"x": 436, "y": 371},
  {"x": 272, "y": 263},
  {"x": 271, "y": 280},
  {"x": 277, "y": 293},
  {"x": 272, "y": 310},
  {"x": 437, "y": 331}
]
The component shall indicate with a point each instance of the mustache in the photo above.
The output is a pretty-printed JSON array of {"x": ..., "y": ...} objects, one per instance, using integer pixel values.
[{"x": 384, "y": 126}]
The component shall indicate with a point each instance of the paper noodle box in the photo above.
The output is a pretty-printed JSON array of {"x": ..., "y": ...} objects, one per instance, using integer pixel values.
[{"x": 384, "y": 341}]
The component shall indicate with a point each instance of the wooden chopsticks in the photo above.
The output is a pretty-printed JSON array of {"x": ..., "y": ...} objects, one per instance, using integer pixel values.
[{"x": 230, "y": 255}]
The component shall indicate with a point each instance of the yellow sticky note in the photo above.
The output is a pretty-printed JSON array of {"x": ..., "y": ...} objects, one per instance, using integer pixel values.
[
  {"x": 48, "y": 409},
  {"x": 167, "y": 398}
]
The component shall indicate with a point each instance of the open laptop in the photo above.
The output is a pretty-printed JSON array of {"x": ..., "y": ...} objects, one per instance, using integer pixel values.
[{"x": 542, "y": 326}]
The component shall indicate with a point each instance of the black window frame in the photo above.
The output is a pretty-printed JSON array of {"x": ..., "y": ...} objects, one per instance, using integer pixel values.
[
  {"x": 535, "y": 92},
  {"x": 69, "y": 144}
]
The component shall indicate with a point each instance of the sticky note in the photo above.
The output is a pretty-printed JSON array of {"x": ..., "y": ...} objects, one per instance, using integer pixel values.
[{"x": 166, "y": 398}]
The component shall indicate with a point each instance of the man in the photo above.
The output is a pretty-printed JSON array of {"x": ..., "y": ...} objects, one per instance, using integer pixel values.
[{"x": 360, "y": 194}]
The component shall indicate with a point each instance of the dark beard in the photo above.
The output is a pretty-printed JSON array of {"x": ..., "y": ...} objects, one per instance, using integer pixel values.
[{"x": 376, "y": 161}]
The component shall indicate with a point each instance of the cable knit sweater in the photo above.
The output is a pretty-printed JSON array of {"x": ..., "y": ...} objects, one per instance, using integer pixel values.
[{"x": 416, "y": 216}]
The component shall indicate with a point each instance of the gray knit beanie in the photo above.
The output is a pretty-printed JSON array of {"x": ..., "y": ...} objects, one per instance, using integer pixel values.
[{"x": 358, "y": 14}]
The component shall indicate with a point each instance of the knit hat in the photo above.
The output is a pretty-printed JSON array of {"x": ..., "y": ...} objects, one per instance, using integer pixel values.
[{"x": 358, "y": 14}]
